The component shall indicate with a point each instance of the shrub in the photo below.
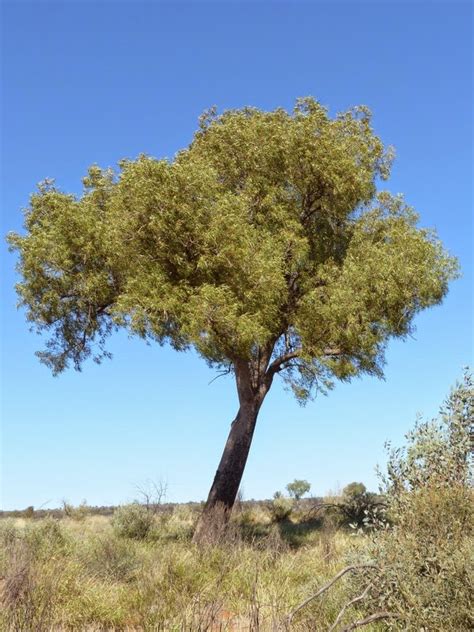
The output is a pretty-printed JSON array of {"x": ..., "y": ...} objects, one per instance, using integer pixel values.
[
  {"x": 425, "y": 559},
  {"x": 8, "y": 533},
  {"x": 75, "y": 513},
  {"x": 29, "y": 512},
  {"x": 357, "y": 505},
  {"x": 32, "y": 568},
  {"x": 280, "y": 507},
  {"x": 109, "y": 557},
  {"x": 181, "y": 523},
  {"x": 45, "y": 538},
  {"x": 132, "y": 521}
]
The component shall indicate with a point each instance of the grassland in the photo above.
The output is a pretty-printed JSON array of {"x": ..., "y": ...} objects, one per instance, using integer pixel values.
[
  {"x": 78, "y": 574},
  {"x": 279, "y": 566},
  {"x": 138, "y": 569}
]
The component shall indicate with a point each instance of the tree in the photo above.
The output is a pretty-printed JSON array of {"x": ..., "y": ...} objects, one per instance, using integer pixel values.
[
  {"x": 298, "y": 488},
  {"x": 264, "y": 245},
  {"x": 354, "y": 489},
  {"x": 357, "y": 503}
]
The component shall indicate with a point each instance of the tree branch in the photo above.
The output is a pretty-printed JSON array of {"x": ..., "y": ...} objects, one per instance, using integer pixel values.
[
  {"x": 370, "y": 619},
  {"x": 277, "y": 365},
  {"x": 323, "y": 589},
  {"x": 226, "y": 371},
  {"x": 350, "y": 603}
]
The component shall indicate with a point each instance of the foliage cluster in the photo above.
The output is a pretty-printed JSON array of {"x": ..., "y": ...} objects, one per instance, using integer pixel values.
[
  {"x": 298, "y": 488},
  {"x": 132, "y": 521},
  {"x": 280, "y": 507},
  {"x": 265, "y": 239},
  {"x": 357, "y": 505},
  {"x": 426, "y": 556},
  {"x": 75, "y": 513}
]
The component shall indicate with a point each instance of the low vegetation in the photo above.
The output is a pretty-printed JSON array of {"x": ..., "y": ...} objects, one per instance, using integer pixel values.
[
  {"x": 397, "y": 561},
  {"x": 104, "y": 574}
]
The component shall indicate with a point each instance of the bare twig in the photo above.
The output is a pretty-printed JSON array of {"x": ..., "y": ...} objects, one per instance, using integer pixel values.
[
  {"x": 370, "y": 619},
  {"x": 221, "y": 374},
  {"x": 152, "y": 494},
  {"x": 346, "y": 606},
  {"x": 348, "y": 569}
]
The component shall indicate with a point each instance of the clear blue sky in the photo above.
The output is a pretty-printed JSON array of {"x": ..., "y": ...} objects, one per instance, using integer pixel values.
[{"x": 93, "y": 82}]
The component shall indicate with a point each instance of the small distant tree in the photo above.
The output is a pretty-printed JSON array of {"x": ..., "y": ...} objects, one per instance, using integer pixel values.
[
  {"x": 264, "y": 245},
  {"x": 354, "y": 489},
  {"x": 29, "y": 512},
  {"x": 298, "y": 488},
  {"x": 357, "y": 504},
  {"x": 152, "y": 495}
]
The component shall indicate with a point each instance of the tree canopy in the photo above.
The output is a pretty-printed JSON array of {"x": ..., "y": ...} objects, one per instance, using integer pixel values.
[
  {"x": 298, "y": 488},
  {"x": 264, "y": 242}
]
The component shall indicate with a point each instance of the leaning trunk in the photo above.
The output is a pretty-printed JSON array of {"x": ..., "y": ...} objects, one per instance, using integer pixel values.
[{"x": 225, "y": 487}]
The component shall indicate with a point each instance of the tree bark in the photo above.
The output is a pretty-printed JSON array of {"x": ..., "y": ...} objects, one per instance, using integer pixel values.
[{"x": 225, "y": 487}]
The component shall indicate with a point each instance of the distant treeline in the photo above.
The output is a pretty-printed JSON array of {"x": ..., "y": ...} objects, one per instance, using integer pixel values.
[{"x": 108, "y": 510}]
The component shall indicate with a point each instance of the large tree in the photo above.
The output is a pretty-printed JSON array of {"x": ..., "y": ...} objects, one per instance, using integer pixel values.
[{"x": 264, "y": 245}]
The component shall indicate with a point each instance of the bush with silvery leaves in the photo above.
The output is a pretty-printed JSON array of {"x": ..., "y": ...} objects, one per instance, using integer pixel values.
[{"x": 425, "y": 553}]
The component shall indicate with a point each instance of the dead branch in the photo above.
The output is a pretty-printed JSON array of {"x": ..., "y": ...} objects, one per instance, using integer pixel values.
[
  {"x": 226, "y": 371},
  {"x": 350, "y": 603},
  {"x": 152, "y": 494},
  {"x": 370, "y": 619},
  {"x": 327, "y": 586}
]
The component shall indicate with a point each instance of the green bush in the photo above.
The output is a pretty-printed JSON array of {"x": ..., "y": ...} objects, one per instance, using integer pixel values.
[
  {"x": 425, "y": 558},
  {"x": 45, "y": 538},
  {"x": 110, "y": 557},
  {"x": 280, "y": 507},
  {"x": 132, "y": 521},
  {"x": 357, "y": 505}
]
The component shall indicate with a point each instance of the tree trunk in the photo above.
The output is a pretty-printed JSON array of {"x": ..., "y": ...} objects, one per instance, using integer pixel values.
[{"x": 225, "y": 487}]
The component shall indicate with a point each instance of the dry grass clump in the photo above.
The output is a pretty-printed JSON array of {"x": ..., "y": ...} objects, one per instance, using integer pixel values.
[{"x": 32, "y": 571}]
